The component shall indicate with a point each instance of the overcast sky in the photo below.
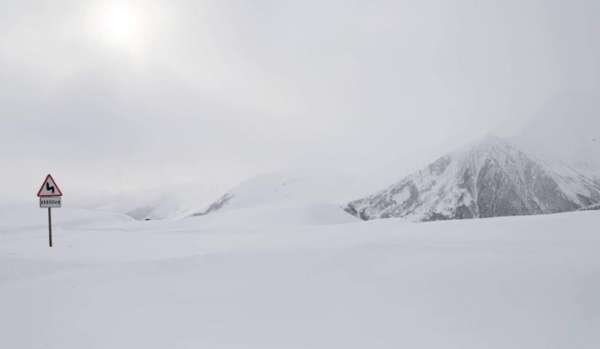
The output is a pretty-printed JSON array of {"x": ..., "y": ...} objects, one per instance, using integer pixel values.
[{"x": 128, "y": 95}]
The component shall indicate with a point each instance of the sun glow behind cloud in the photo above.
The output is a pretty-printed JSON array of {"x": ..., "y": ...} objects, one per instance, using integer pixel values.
[{"x": 121, "y": 25}]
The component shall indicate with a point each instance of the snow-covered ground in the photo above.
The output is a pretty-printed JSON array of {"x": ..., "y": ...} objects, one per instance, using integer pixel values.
[{"x": 238, "y": 280}]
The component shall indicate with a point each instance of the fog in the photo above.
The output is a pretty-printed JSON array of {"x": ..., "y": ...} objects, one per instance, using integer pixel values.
[{"x": 112, "y": 97}]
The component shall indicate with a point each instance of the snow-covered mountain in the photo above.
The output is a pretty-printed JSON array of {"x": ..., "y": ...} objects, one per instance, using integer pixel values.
[
  {"x": 488, "y": 179},
  {"x": 283, "y": 198}
]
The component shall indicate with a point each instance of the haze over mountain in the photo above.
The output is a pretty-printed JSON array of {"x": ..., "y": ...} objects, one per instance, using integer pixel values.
[
  {"x": 552, "y": 165},
  {"x": 565, "y": 130}
]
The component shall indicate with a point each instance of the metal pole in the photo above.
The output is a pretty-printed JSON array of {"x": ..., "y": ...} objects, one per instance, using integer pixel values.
[{"x": 50, "y": 226}]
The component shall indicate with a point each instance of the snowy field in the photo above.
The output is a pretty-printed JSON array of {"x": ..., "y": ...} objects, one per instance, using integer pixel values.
[{"x": 310, "y": 279}]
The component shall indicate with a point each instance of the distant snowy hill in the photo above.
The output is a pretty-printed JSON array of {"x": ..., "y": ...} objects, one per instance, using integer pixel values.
[
  {"x": 295, "y": 198},
  {"x": 488, "y": 179},
  {"x": 278, "y": 188},
  {"x": 166, "y": 202}
]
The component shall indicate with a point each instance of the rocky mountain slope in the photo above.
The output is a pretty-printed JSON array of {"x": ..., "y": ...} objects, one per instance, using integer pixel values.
[{"x": 488, "y": 179}]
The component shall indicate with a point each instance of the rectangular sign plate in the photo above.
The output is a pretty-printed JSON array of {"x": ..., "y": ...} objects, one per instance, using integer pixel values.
[{"x": 50, "y": 202}]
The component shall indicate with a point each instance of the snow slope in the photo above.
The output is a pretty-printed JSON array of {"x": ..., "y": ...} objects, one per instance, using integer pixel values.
[
  {"x": 518, "y": 282},
  {"x": 284, "y": 199},
  {"x": 490, "y": 178}
]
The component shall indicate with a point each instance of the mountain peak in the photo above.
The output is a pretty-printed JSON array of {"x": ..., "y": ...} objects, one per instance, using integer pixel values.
[{"x": 491, "y": 177}]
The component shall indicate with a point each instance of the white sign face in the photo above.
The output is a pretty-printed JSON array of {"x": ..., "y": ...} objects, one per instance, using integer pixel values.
[
  {"x": 50, "y": 202},
  {"x": 49, "y": 188}
]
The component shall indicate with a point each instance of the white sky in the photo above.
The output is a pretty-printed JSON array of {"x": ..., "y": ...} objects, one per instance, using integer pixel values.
[{"x": 128, "y": 95}]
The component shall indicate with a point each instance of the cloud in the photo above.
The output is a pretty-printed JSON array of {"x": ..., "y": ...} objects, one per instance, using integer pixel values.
[{"x": 222, "y": 90}]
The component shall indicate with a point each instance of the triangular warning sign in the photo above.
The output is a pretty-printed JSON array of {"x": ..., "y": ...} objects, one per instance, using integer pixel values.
[{"x": 49, "y": 188}]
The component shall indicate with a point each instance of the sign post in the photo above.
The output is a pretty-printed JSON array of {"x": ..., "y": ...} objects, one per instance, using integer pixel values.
[
  {"x": 50, "y": 197},
  {"x": 50, "y": 226}
]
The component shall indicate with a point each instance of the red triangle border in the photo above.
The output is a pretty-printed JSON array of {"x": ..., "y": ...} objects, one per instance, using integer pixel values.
[{"x": 39, "y": 194}]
